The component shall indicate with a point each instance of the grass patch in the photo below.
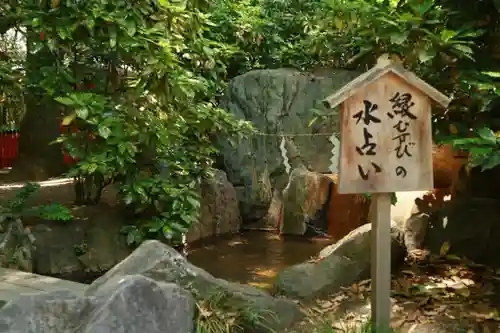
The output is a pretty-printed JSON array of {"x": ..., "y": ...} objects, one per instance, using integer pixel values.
[{"x": 218, "y": 313}]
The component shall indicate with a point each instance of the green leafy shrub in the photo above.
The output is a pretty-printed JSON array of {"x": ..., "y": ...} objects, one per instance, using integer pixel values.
[
  {"x": 450, "y": 44},
  {"x": 484, "y": 148},
  {"x": 136, "y": 79}
]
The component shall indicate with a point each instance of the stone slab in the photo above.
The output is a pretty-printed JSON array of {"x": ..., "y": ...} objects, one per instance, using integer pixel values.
[{"x": 15, "y": 283}]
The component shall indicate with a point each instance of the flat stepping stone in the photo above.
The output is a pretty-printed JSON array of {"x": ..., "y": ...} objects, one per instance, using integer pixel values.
[{"x": 15, "y": 283}]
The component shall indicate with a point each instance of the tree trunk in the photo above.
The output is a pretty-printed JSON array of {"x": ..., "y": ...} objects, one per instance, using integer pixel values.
[{"x": 38, "y": 159}]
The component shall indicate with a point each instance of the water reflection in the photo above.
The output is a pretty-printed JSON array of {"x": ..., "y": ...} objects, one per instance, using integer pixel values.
[{"x": 254, "y": 257}]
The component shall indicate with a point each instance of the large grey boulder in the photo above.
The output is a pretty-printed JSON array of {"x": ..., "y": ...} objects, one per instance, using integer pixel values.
[
  {"x": 142, "y": 305},
  {"x": 339, "y": 265},
  {"x": 278, "y": 101},
  {"x": 219, "y": 209},
  {"x": 134, "y": 304},
  {"x": 162, "y": 263}
]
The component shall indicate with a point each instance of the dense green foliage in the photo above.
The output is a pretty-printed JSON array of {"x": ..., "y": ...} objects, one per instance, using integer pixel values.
[
  {"x": 132, "y": 79},
  {"x": 452, "y": 44},
  {"x": 140, "y": 80}
]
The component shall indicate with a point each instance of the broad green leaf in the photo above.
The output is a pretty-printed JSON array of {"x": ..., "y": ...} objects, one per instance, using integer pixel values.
[
  {"x": 421, "y": 7},
  {"x": 426, "y": 55},
  {"x": 122, "y": 147},
  {"x": 473, "y": 34},
  {"x": 167, "y": 232},
  {"x": 481, "y": 150},
  {"x": 68, "y": 119},
  {"x": 195, "y": 203},
  {"x": 478, "y": 160},
  {"x": 391, "y": 22},
  {"x": 492, "y": 74},
  {"x": 128, "y": 199},
  {"x": 338, "y": 23},
  {"x": 112, "y": 36},
  {"x": 398, "y": 38},
  {"x": 492, "y": 161},
  {"x": 63, "y": 33},
  {"x": 186, "y": 218},
  {"x": 66, "y": 101},
  {"x": 131, "y": 27},
  {"x": 82, "y": 113},
  {"x": 463, "y": 48},
  {"x": 67, "y": 75},
  {"x": 487, "y": 134},
  {"x": 464, "y": 142},
  {"x": 207, "y": 50},
  {"x": 409, "y": 17},
  {"x": 447, "y": 35},
  {"x": 154, "y": 226},
  {"x": 141, "y": 192},
  {"x": 104, "y": 131},
  {"x": 92, "y": 168}
]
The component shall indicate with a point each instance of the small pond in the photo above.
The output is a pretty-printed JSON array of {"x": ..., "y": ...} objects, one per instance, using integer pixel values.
[{"x": 254, "y": 257}]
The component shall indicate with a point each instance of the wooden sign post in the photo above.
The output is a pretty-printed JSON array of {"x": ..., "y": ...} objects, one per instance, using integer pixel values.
[{"x": 385, "y": 146}]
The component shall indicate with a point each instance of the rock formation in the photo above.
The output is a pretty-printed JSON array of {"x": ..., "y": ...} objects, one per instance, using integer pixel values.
[
  {"x": 153, "y": 290},
  {"x": 132, "y": 304},
  {"x": 281, "y": 101}
]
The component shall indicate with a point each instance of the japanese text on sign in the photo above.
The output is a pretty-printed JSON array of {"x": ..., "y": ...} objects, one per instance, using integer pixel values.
[
  {"x": 401, "y": 111},
  {"x": 369, "y": 146},
  {"x": 386, "y": 133}
]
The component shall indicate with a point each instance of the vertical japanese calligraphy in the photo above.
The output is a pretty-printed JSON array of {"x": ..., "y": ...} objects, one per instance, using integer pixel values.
[
  {"x": 386, "y": 136},
  {"x": 367, "y": 116},
  {"x": 401, "y": 105}
]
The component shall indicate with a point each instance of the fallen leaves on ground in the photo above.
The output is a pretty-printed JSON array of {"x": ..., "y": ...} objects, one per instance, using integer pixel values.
[{"x": 429, "y": 289}]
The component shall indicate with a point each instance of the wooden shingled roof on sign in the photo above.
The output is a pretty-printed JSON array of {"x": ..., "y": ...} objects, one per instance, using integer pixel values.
[{"x": 384, "y": 66}]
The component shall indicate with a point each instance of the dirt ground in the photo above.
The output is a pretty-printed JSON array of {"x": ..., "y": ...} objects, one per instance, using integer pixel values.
[
  {"x": 61, "y": 190},
  {"x": 53, "y": 190},
  {"x": 445, "y": 294}
]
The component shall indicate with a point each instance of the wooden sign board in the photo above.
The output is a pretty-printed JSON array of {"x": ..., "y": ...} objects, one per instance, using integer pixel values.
[
  {"x": 385, "y": 146},
  {"x": 386, "y": 139}
]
